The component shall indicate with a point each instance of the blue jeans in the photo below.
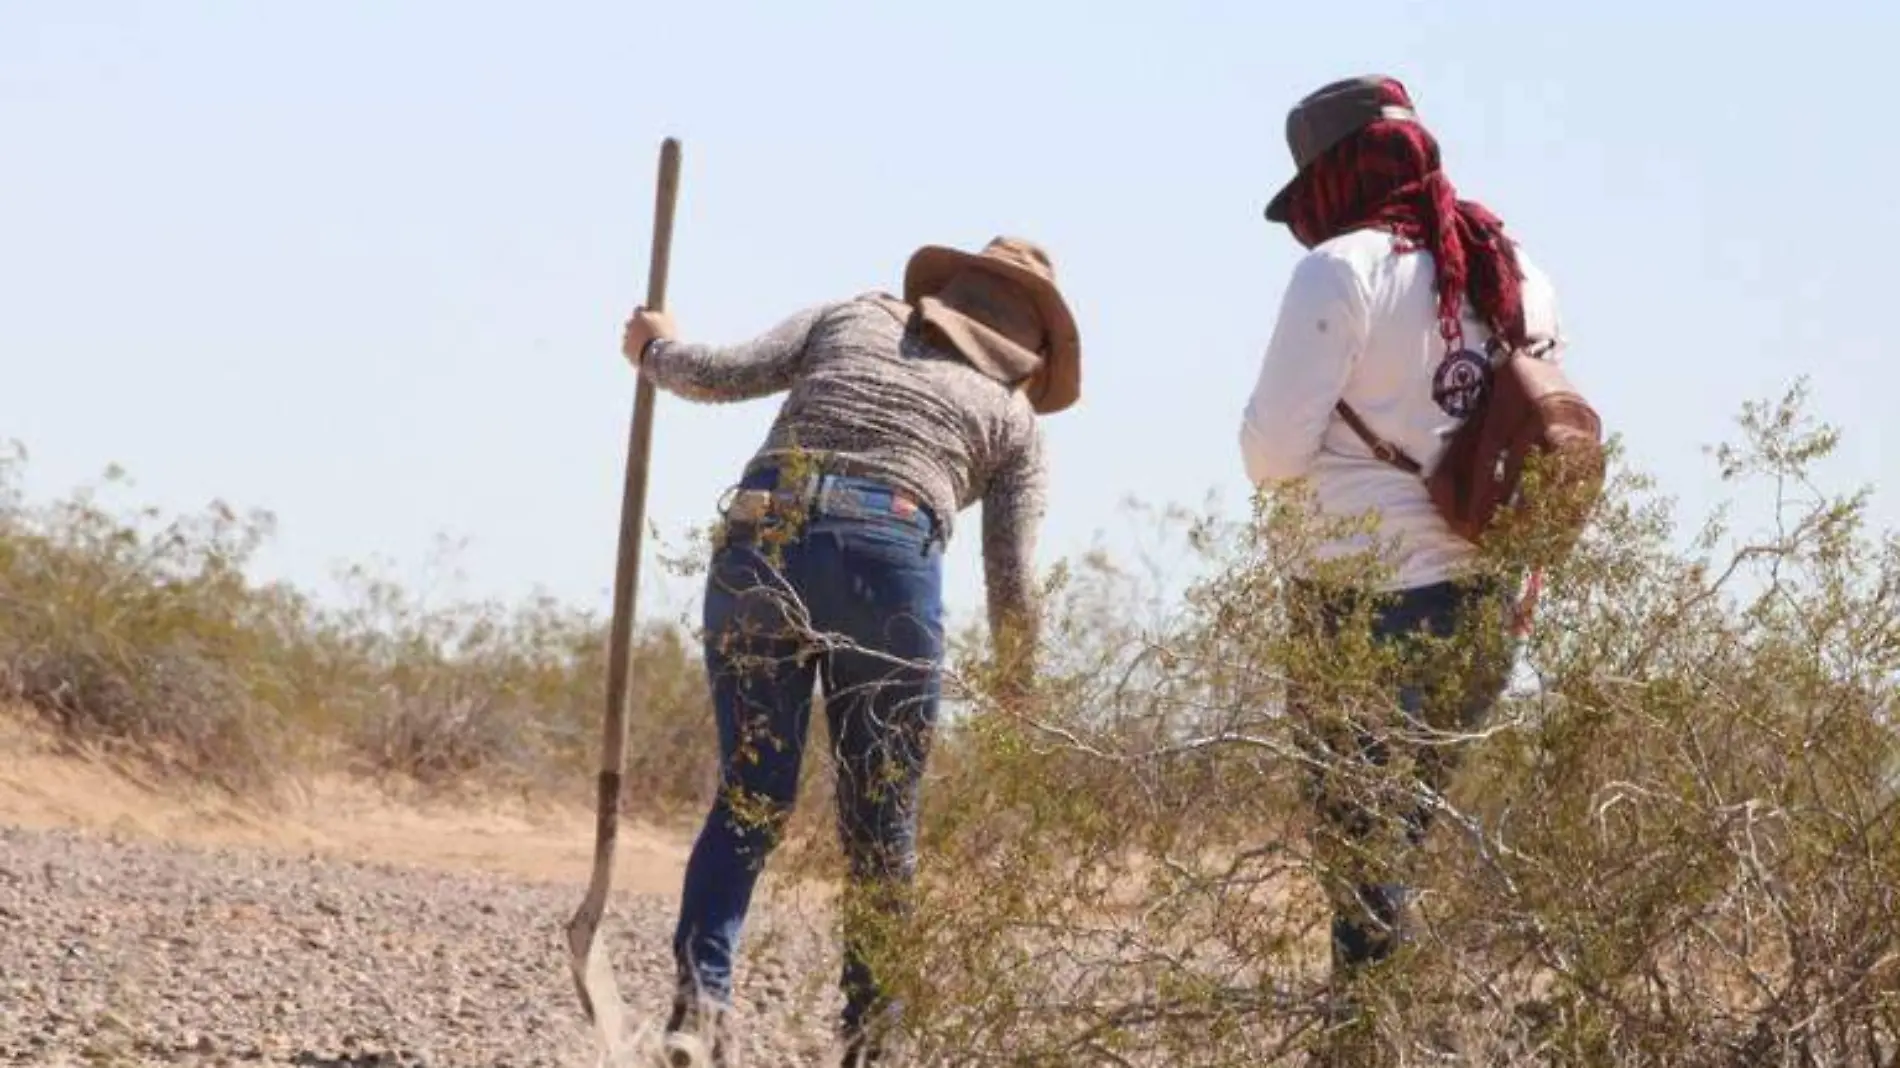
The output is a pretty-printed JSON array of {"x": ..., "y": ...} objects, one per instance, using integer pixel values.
[
  {"x": 1438, "y": 687},
  {"x": 853, "y": 601}
]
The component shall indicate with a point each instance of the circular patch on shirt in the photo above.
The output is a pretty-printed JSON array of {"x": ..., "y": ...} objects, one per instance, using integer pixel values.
[{"x": 1460, "y": 383}]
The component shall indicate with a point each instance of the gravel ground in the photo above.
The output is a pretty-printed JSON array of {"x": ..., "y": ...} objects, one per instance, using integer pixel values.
[{"x": 118, "y": 952}]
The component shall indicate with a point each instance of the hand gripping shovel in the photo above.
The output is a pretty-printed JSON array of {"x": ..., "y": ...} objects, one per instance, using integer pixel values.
[{"x": 593, "y": 972}]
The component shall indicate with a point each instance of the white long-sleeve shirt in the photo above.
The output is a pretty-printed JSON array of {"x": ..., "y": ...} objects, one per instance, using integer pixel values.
[{"x": 1360, "y": 322}]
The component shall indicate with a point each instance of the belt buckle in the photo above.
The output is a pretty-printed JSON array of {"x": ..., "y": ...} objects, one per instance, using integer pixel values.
[{"x": 748, "y": 506}]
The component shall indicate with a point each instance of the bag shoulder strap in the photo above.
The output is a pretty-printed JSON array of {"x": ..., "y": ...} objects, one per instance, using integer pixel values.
[
  {"x": 1380, "y": 447},
  {"x": 1384, "y": 450}
]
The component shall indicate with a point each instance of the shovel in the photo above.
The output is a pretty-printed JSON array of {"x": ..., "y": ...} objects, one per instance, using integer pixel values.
[{"x": 593, "y": 972}]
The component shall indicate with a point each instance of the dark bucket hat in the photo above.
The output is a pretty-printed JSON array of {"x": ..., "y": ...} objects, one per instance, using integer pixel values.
[{"x": 1327, "y": 116}]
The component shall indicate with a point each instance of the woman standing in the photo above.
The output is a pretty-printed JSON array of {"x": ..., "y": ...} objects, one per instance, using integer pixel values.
[
  {"x": 1385, "y": 342},
  {"x": 898, "y": 415}
]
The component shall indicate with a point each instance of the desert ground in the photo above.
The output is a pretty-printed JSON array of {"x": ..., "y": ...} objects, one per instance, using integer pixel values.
[{"x": 152, "y": 924}]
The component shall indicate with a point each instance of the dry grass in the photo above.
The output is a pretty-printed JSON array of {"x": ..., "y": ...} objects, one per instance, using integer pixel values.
[{"x": 142, "y": 633}]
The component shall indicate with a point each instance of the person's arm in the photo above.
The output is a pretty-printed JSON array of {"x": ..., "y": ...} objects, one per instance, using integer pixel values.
[
  {"x": 1013, "y": 506},
  {"x": 1320, "y": 332},
  {"x": 715, "y": 373}
]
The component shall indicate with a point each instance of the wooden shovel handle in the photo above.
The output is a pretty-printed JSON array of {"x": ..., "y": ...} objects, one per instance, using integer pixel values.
[
  {"x": 598, "y": 998},
  {"x": 633, "y": 501}
]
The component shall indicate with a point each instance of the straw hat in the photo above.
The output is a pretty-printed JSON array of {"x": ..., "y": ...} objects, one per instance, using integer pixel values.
[{"x": 991, "y": 325}]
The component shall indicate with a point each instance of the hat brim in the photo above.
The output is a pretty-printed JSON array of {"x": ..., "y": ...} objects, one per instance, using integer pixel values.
[
  {"x": 1059, "y": 384},
  {"x": 1280, "y": 208}
]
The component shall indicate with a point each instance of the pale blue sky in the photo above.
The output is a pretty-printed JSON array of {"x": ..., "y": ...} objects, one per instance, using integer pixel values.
[{"x": 365, "y": 263}]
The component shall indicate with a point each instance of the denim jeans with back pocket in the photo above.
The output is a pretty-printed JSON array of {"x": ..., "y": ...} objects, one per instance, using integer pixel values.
[{"x": 849, "y": 598}]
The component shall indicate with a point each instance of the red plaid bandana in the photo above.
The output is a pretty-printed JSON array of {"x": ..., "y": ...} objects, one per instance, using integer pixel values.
[{"x": 1387, "y": 176}]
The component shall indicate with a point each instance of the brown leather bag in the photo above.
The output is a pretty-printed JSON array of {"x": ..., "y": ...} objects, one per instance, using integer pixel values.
[{"x": 1530, "y": 408}]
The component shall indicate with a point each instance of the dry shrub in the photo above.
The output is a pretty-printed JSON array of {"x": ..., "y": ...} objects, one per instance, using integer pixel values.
[
  {"x": 1675, "y": 841},
  {"x": 527, "y": 702},
  {"x": 133, "y": 629}
]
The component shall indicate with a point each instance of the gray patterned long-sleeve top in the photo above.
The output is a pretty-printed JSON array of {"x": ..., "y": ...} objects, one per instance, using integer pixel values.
[{"x": 879, "y": 402}]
